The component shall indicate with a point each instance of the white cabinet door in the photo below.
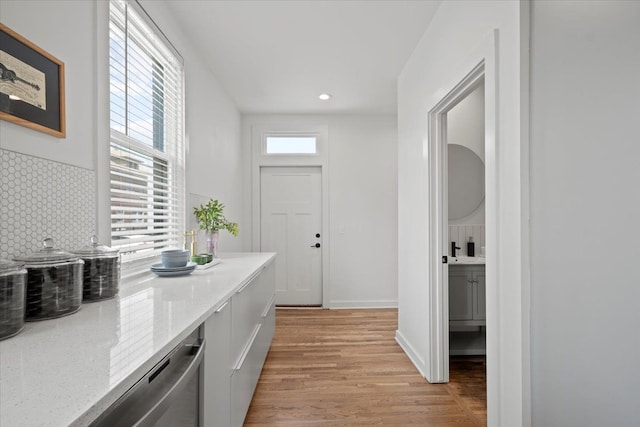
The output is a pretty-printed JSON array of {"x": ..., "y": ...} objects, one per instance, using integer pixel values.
[
  {"x": 460, "y": 294},
  {"x": 479, "y": 296},
  {"x": 467, "y": 295},
  {"x": 217, "y": 368}
]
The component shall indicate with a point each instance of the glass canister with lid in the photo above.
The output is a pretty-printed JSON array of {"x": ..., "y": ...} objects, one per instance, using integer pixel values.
[
  {"x": 13, "y": 280},
  {"x": 54, "y": 283},
  {"x": 101, "y": 271}
]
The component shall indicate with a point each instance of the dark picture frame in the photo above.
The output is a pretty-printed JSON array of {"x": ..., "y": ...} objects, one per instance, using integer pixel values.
[{"x": 31, "y": 85}]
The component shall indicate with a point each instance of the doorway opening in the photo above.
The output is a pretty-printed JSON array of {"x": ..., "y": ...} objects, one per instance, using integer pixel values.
[
  {"x": 464, "y": 137},
  {"x": 459, "y": 130}
]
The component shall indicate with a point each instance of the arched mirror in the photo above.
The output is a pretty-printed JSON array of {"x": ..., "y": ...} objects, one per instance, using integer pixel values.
[{"x": 466, "y": 181}]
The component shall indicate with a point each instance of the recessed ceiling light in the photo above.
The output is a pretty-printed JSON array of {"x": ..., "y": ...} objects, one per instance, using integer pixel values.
[{"x": 325, "y": 97}]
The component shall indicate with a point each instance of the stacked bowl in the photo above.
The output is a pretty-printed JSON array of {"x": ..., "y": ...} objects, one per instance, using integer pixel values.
[
  {"x": 175, "y": 262},
  {"x": 175, "y": 258}
]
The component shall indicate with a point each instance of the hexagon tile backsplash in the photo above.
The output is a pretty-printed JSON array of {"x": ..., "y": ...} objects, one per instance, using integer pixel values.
[{"x": 40, "y": 198}]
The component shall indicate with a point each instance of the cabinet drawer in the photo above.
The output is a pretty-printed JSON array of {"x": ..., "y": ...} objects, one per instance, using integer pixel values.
[
  {"x": 244, "y": 380},
  {"x": 245, "y": 377},
  {"x": 263, "y": 342},
  {"x": 243, "y": 318},
  {"x": 258, "y": 297},
  {"x": 265, "y": 290}
]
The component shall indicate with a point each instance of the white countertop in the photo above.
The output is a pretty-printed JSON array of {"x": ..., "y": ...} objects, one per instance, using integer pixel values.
[
  {"x": 467, "y": 260},
  {"x": 67, "y": 371}
]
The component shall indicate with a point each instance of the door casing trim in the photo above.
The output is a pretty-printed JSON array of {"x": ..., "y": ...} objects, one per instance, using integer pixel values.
[
  {"x": 481, "y": 65},
  {"x": 259, "y": 160},
  {"x": 439, "y": 221}
]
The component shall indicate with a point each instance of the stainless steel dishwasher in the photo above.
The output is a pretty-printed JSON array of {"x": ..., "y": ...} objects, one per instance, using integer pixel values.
[{"x": 168, "y": 395}]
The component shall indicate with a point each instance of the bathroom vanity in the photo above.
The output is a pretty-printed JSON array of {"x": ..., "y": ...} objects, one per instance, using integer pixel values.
[
  {"x": 466, "y": 295},
  {"x": 467, "y": 306}
]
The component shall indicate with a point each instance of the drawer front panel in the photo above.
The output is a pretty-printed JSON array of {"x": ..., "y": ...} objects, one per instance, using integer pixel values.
[{"x": 243, "y": 319}]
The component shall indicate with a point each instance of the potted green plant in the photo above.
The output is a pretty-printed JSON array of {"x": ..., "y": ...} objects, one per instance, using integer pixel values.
[{"x": 211, "y": 219}]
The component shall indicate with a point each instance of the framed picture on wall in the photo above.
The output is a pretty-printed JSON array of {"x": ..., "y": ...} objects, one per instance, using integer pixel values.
[{"x": 31, "y": 85}]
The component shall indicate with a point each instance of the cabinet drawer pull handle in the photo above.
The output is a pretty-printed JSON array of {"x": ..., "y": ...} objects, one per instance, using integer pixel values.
[
  {"x": 245, "y": 286},
  {"x": 249, "y": 281},
  {"x": 222, "y": 307},
  {"x": 247, "y": 349},
  {"x": 265, "y": 313}
]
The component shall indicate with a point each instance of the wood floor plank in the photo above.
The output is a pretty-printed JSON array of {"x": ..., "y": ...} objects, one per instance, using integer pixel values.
[{"x": 344, "y": 368}]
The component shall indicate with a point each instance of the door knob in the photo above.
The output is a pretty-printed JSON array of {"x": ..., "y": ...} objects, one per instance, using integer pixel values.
[
  {"x": 317, "y": 234},
  {"x": 317, "y": 245}
]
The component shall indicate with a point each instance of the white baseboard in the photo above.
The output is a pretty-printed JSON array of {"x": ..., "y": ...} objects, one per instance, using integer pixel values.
[
  {"x": 417, "y": 361},
  {"x": 363, "y": 304}
]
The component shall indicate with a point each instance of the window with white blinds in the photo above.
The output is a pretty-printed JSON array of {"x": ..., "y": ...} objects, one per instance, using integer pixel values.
[{"x": 147, "y": 135}]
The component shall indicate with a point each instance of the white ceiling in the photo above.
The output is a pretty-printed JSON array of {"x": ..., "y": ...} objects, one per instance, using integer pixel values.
[{"x": 278, "y": 56}]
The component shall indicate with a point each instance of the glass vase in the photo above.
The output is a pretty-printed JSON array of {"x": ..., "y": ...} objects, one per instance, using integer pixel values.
[{"x": 212, "y": 243}]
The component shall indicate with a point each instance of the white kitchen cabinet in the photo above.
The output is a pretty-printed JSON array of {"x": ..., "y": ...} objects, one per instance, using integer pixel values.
[
  {"x": 240, "y": 334},
  {"x": 260, "y": 297},
  {"x": 467, "y": 289}
]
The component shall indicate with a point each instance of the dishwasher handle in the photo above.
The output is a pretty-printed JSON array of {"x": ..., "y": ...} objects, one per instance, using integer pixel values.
[{"x": 169, "y": 397}]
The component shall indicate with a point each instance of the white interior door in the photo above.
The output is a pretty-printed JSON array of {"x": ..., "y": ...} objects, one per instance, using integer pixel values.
[{"x": 290, "y": 224}]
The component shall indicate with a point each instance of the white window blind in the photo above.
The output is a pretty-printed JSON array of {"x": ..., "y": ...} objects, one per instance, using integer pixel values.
[{"x": 147, "y": 135}]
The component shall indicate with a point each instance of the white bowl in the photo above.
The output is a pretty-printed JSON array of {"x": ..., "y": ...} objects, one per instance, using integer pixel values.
[{"x": 175, "y": 258}]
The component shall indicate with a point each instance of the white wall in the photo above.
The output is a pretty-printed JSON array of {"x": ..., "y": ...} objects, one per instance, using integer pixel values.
[
  {"x": 465, "y": 122},
  {"x": 65, "y": 29},
  {"x": 459, "y": 29},
  {"x": 465, "y": 127},
  {"x": 585, "y": 204},
  {"x": 215, "y": 160},
  {"x": 362, "y": 203},
  {"x": 363, "y": 210}
]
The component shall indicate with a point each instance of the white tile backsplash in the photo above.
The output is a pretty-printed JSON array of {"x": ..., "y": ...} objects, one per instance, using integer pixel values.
[
  {"x": 40, "y": 198},
  {"x": 461, "y": 233}
]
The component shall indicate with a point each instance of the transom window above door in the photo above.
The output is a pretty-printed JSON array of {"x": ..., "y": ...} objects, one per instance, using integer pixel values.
[{"x": 291, "y": 145}]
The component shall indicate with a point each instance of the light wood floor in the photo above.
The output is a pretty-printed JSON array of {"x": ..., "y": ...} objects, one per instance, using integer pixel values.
[{"x": 344, "y": 368}]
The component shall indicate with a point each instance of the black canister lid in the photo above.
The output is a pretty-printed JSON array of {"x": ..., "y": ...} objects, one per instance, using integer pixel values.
[
  {"x": 46, "y": 255},
  {"x": 94, "y": 250}
]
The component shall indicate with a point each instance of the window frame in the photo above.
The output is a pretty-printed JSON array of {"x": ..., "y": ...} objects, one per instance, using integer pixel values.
[
  {"x": 315, "y": 135},
  {"x": 172, "y": 148}
]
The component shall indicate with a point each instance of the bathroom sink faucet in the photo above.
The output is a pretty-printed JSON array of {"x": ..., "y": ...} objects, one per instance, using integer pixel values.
[{"x": 453, "y": 249}]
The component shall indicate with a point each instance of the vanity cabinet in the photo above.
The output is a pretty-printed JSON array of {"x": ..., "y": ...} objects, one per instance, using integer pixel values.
[
  {"x": 467, "y": 295},
  {"x": 467, "y": 319},
  {"x": 238, "y": 335}
]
